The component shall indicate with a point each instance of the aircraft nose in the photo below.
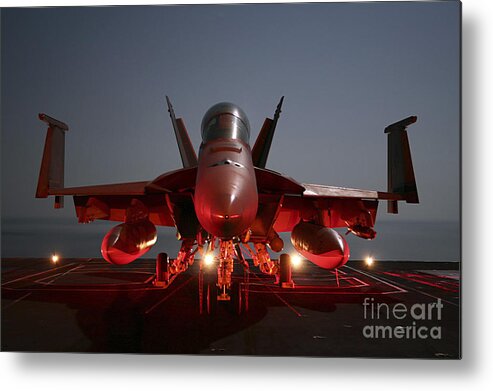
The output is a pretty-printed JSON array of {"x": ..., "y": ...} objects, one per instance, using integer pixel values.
[
  {"x": 225, "y": 201},
  {"x": 227, "y": 227},
  {"x": 227, "y": 217}
]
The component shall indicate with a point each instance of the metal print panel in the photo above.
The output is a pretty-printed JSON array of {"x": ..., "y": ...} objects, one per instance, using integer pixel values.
[{"x": 264, "y": 179}]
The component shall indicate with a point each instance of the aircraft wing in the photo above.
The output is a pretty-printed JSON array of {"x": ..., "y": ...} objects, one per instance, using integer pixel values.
[
  {"x": 334, "y": 207},
  {"x": 111, "y": 201},
  {"x": 331, "y": 206},
  {"x": 130, "y": 188},
  {"x": 166, "y": 200},
  {"x": 312, "y": 190},
  {"x": 283, "y": 202},
  {"x": 164, "y": 206},
  {"x": 325, "y": 205}
]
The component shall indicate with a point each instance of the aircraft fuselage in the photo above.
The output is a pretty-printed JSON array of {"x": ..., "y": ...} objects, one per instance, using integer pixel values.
[{"x": 226, "y": 197}]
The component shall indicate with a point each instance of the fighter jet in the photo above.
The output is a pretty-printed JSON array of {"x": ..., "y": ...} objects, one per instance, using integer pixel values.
[{"x": 227, "y": 206}]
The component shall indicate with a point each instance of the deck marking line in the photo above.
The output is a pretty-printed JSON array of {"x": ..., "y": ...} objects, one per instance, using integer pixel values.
[
  {"x": 16, "y": 301},
  {"x": 400, "y": 289},
  {"x": 63, "y": 274},
  {"x": 168, "y": 296},
  {"x": 280, "y": 298},
  {"x": 407, "y": 287},
  {"x": 37, "y": 274}
]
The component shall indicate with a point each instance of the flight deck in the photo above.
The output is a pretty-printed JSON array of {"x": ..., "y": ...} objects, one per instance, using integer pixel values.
[{"x": 388, "y": 309}]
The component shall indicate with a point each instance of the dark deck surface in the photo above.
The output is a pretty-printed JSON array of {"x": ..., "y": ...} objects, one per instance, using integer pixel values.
[{"x": 87, "y": 305}]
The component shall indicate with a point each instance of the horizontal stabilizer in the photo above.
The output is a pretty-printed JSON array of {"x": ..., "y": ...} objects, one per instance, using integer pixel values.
[
  {"x": 187, "y": 153},
  {"x": 261, "y": 149}
]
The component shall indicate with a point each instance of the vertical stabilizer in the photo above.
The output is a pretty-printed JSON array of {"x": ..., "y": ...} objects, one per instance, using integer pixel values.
[
  {"x": 400, "y": 165},
  {"x": 261, "y": 149},
  {"x": 51, "y": 174},
  {"x": 187, "y": 153}
]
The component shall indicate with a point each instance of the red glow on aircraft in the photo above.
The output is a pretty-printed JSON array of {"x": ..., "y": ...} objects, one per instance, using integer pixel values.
[{"x": 224, "y": 201}]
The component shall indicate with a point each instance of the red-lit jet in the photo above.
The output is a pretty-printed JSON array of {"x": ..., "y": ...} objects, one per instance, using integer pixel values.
[{"x": 225, "y": 203}]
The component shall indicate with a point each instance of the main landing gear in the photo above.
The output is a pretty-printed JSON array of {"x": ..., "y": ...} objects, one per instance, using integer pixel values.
[
  {"x": 217, "y": 284},
  {"x": 285, "y": 280},
  {"x": 167, "y": 270},
  {"x": 163, "y": 275}
]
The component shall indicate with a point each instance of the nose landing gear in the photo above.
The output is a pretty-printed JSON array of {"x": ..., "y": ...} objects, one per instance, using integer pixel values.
[{"x": 217, "y": 284}]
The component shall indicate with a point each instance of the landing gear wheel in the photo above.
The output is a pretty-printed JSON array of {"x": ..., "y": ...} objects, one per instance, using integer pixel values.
[
  {"x": 285, "y": 271},
  {"x": 162, "y": 268}
]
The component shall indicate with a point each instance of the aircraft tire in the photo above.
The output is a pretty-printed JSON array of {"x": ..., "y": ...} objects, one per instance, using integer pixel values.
[
  {"x": 285, "y": 268},
  {"x": 162, "y": 266}
]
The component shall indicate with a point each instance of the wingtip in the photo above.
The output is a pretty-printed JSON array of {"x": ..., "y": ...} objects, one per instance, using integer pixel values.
[
  {"x": 402, "y": 124},
  {"x": 52, "y": 121}
]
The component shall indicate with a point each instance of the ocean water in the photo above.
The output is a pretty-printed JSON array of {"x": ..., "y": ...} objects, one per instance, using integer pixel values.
[{"x": 399, "y": 240}]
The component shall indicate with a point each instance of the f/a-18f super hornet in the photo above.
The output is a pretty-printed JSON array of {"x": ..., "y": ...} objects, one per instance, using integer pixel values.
[{"x": 226, "y": 204}]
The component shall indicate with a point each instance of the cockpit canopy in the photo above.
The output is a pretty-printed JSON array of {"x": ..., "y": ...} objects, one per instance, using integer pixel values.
[{"x": 225, "y": 120}]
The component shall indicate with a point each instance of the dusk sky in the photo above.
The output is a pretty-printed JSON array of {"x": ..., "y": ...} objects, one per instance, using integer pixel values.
[{"x": 346, "y": 70}]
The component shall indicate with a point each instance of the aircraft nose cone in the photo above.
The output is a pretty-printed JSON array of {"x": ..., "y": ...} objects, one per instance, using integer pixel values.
[
  {"x": 225, "y": 200},
  {"x": 226, "y": 226},
  {"x": 227, "y": 217}
]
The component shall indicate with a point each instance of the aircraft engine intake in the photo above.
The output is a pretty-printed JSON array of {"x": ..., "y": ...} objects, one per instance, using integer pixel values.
[
  {"x": 321, "y": 245},
  {"x": 128, "y": 241}
]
